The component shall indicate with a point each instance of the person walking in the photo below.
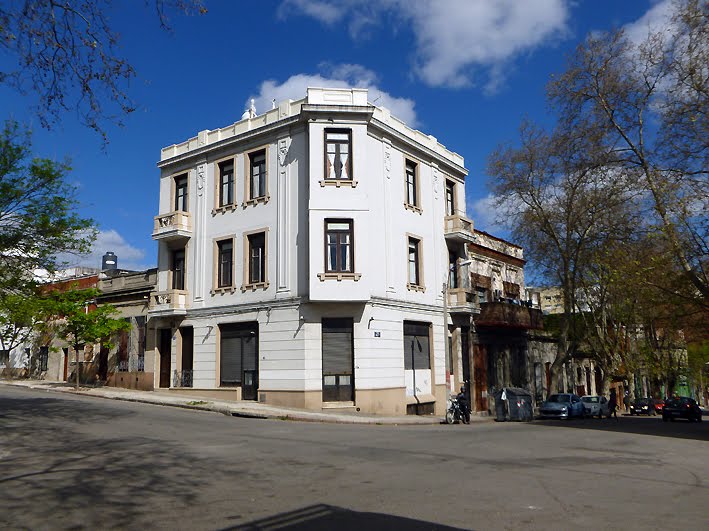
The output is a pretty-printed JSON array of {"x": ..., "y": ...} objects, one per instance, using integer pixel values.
[
  {"x": 626, "y": 402},
  {"x": 612, "y": 407}
]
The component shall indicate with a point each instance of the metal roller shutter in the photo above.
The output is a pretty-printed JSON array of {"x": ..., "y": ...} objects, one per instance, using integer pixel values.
[
  {"x": 230, "y": 361},
  {"x": 337, "y": 346}
]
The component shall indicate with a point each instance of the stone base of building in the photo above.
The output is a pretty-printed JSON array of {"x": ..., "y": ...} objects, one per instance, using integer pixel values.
[{"x": 142, "y": 381}]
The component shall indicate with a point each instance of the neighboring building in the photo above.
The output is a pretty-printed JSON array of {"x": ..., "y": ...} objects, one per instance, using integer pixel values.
[
  {"x": 302, "y": 255},
  {"x": 52, "y": 358},
  {"x": 126, "y": 364},
  {"x": 509, "y": 348}
]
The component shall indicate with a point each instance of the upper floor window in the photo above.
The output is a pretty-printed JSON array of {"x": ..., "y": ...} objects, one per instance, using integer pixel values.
[
  {"x": 450, "y": 198},
  {"x": 338, "y": 246},
  {"x": 181, "y": 193},
  {"x": 411, "y": 184},
  {"x": 225, "y": 259},
  {"x": 415, "y": 262},
  {"x": 338, "y": 150},
  {"x": 257, "y": 171},
  {"x": 257, "y": 258},
  {"x": 178, "y": 269},
  {"x": 226, "y": 183}
]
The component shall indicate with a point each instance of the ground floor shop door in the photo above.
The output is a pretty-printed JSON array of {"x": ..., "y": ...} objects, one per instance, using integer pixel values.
[
  {"x": 165, "y": 346},
  {"x": 337, "y": 360},
  {"x": 238, "y": 358}
]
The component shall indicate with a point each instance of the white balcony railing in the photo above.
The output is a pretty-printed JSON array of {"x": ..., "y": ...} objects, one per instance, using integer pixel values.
[
  {"x": 458, "y": 228},
  {"x": 174, "y": 301},
  {"x": 176, "y": 224}
]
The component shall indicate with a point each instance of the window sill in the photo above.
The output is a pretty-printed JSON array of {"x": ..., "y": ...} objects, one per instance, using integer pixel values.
[
  {"x": 339, "y": 276},
  {"x": 223, "y": 209},
  {"x": 223, "y": 290},
  {"x": 256, "y": 200},
  {"x": 255, "y": 286},
  {"x": 413, "y": 208},
  {"x": 415, "y": 287},
  {"x": 338, "y": 183}
]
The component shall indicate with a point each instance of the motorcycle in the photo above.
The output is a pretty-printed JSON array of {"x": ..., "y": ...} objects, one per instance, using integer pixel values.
[{"x": 455, "y": 411}]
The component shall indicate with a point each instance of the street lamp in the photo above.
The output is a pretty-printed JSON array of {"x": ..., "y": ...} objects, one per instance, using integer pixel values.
[{"x": 452, "y": 268}]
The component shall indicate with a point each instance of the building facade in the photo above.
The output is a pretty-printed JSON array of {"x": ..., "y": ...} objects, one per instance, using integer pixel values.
[
  {"x": 126, "y": 364},
  {"x": 302, "y": 258}
]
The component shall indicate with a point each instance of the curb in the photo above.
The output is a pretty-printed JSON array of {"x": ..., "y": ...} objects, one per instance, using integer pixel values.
[{"x": 235, "y": 412}]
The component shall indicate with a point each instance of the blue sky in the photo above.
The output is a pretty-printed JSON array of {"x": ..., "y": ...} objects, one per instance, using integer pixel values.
[{"x": 464, "y": 71}]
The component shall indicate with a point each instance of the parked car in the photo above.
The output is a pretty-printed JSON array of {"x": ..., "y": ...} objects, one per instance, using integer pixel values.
[
  {"x": 643, "y": 406},
  {"x": 562, "y": 406},
  {"x": 659, "y": 404},
  {"x": 681, "y": 408},
  {"x": 596, "y": 406}
]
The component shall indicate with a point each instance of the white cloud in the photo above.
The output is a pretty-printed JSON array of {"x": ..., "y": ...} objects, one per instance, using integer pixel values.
[
  {"x": 487, "y": 217},
  {"x": 129, "y": 257},
  {"x": 335, "y": 76},
  {"x": 657, "y": 18},
  {"x": 453, "y": 37}
]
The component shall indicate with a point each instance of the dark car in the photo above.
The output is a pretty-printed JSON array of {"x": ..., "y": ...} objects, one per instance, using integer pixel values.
[
  {"x": 643, "y": 406},
  {"x": 681, "y": 408}
]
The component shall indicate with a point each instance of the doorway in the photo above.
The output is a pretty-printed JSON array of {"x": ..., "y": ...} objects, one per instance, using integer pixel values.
[
  {"x": 238, "y": 358},
  {"x": 187, "y": 335},
  {"x": 165, "y": 346},
  {"x": 337, "y": 360}
]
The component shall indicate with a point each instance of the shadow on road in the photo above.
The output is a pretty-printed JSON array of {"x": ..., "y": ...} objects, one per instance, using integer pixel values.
[
  {"x": 327, "y": 517},
  {"x": 59, "y": 470},
  {"x": 680, "y": 429}
]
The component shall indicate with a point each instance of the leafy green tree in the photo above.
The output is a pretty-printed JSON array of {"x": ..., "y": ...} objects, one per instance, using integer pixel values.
[
  {"x": 18, "y": 315},
  {"x": 38, "y": 219},
  {"x": 78, "y": 323},
  {"x": 66, "y": 55}
]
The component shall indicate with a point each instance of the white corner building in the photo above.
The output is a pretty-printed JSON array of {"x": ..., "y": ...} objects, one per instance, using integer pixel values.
[{"x": 302, "y": 258}]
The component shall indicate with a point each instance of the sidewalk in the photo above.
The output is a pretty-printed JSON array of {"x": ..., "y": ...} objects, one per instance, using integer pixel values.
[{"x": 233, "y": 408}]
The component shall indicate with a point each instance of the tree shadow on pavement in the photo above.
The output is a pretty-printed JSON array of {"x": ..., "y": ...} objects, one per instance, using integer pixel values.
[
  {"x": 323, "y": 517},
  {"x": 681, "y": 429},
  {"x": 58, "y": 471}
]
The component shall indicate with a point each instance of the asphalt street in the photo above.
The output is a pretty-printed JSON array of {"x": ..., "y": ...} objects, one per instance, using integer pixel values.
[{"x": 73, "y": 462}]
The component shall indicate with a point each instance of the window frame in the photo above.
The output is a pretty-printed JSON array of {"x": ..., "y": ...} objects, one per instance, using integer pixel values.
[
  {"x": 231, "y": 184},
  {"x": 173, "y": 271},
  {"x": 248, "y": 279},
  {"x": 338, "y": 180},
  {"x": 249, "y": 198},
  {"x": 416, "y": 284},
  {"x": 450, "y": 198},
  {"x": 178, "y": 180},
  {"x": 350, "y": 244},
  {"x": 412, "y": 180},
  {"x": 220, "y": 254}
]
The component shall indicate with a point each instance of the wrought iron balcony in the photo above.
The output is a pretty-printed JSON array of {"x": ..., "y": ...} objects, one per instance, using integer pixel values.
[
  {"x": 458, "y": 228},
  {"x": 173, "y": 225},
  {"x": 510, "y": 315}
]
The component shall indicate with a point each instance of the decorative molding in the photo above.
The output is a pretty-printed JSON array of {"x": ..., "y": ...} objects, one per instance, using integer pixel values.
[
  {"x": 339, "y": 276},
  {"x": 387, "y": 160},
  {"x": 282, "y": 151},
  {"x": 200, "y": 179},
  {"x": 338, "y": 183}
]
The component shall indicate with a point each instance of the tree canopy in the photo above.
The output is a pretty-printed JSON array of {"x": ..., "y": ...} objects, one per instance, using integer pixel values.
[
  {"x": 38, "y": 219},
  {"x": 67, "y": 55}
]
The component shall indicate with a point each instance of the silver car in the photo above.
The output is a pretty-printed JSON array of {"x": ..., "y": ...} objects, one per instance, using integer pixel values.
[
  {"x": 562, "y": 406},
  {"x": 596, "y": 406}
]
